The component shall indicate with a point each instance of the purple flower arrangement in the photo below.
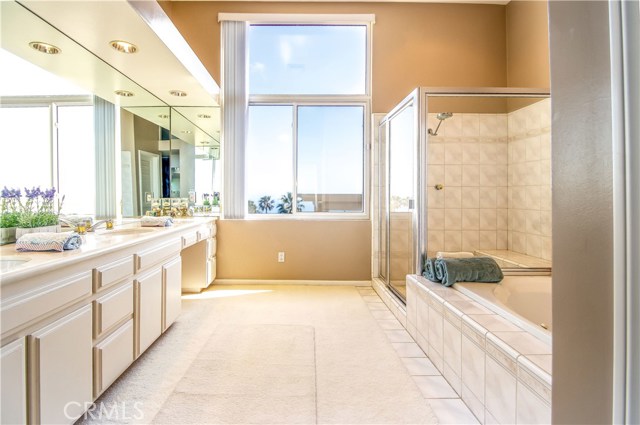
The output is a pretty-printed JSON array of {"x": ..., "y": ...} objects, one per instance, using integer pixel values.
[{"x": 36, "y": 210}]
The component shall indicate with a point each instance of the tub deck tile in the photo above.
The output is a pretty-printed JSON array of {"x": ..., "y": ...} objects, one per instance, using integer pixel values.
[
  {"x": 524, "y": 342},
  {"x": 494, "y": 323}
]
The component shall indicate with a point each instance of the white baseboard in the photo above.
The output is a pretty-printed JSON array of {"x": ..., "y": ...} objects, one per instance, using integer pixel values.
[{"x": 291, "y": 282}]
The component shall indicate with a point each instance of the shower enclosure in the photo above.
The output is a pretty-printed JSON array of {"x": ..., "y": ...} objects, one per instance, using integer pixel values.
[{"x": 464, "y": 170}]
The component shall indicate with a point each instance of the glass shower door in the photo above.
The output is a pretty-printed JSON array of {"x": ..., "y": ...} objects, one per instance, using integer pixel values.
[{"x": 401, "y": 203}]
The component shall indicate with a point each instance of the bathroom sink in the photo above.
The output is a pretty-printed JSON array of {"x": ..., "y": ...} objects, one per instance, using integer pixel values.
[
  {"x": 11, "y": 262},
  {"x": 130, "y": 231}
]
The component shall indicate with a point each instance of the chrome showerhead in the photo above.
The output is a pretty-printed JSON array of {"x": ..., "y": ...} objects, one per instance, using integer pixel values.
[
  {"x": 444, "y": 115},
  {"x": 441, "y": 116}
]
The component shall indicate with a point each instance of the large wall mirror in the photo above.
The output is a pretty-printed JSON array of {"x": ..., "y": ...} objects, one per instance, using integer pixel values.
[{"x": 52, "y": 126}]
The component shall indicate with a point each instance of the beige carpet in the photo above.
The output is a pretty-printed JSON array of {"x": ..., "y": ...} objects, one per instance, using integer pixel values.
[{"x": 266, "y": 355}]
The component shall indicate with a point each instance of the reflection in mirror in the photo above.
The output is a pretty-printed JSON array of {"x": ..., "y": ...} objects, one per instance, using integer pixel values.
[
  {"x": 48, "y": 110},
  {"x": 195, "y": 154}
]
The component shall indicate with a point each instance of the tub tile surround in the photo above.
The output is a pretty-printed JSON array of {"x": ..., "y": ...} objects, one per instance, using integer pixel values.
[
  {"x": 502, "y": 373},
  {"x": 496, "y": 171}
]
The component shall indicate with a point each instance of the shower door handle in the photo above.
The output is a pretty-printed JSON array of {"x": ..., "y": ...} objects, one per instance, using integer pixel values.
[{"x": 412, "y": 204}]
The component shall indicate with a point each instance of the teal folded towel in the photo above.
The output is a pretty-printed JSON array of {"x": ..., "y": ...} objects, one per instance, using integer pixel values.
[
  {"x": 48, "y": 241},
  {"x": 476, "y": 269},
  {"x": 430, "y": 270}
]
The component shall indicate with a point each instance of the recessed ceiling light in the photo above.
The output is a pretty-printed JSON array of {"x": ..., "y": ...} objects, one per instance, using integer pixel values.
[
  {"x": 163, "y": 116},
  {"x": 178, "y": 93},
  {"x": 47, "y": 48},
  {"x": 124, "y": 93},
  {"x": 185, "y": 131},
  {"x": 123, "y": 46},
  {"x": 204, "y": 116}
]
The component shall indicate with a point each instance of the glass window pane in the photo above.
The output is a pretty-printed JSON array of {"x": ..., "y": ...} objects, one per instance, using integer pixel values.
[
  {"x": 76, "y": 159},
  {"x": 269, "y": 160},
  {"x": 26, "y": 133},
  {"x": 307, "y": 59},
  {"x": 330, "y": 158}
]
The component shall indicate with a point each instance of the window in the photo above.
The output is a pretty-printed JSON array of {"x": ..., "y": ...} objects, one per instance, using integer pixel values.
[
  {"x": 308, "y": 118},
  {"x": 57, "y": 135}
]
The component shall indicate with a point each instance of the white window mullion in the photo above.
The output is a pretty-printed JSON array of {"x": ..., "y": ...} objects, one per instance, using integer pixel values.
[{"x": 294, "y": 197}]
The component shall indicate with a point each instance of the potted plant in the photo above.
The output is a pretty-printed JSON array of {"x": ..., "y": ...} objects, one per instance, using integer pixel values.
[
  {"x": 215, "y": 202},
  {"x": 38, "y": 213},
  {"x": 9, "y": 215}
]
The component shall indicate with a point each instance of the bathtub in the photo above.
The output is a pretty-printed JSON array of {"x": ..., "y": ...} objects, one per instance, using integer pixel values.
[{"x": 523, "y": 300}]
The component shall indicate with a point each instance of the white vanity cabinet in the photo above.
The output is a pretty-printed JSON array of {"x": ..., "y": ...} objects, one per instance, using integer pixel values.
[
  {"x": 148, "y": 310},
  {"x": 172, "y": 291},
  {"x": 72, "y": 326},
  {"x": 13, "y": 387},
  {"x": 61, "y": 369},
  {"x": 196, "y": 273}
]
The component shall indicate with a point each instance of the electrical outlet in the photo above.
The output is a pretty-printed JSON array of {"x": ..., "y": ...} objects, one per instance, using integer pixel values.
[{"x": 281, "y": 257}]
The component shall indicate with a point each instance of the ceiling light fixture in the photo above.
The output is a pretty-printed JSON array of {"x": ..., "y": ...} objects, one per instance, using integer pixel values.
[
  {"x": 123, "y": 46},
  {"x": 47, "y": 48},
  {"x": 204, "y": 116},
  {"x": 124, "y": 93},
  {"x": 186, "y": 131},
  {"x": 163, "y": 116},
  {"x": 178, "y": 93}
]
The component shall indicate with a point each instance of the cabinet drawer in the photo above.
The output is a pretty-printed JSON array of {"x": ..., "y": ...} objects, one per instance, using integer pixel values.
[
  {"x": 211, "y": 270},
  {"x": 112, "y": 357},
  {"x": 155, "y": 255},
  {"x": 112, "y": 308},
  {"x": 204, "y": 233},
  {"x": 212, "y": 247},
  {"x": 31, "y": 305},
  {"x": 111, "y": 273},
  {"x": 189, "y": 239}
]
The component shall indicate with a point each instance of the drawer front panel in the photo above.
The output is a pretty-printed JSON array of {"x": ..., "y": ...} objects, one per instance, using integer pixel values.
[
  {"x": 111, "y": 273},
  {"x": 153, "y": 256},
  {"x": 204, "y": 233},
  {"x": 34, "y": 304},
  {"x": 112, "y": 308},
  {"x": 189, "y": 239},
  {"x": 112, "y": 357}
]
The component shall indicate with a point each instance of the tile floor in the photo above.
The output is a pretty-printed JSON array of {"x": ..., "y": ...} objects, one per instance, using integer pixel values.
[{"x": 444, "y": 401}]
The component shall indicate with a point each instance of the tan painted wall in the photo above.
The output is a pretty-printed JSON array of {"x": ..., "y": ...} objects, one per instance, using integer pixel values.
[
  {"x": 415, "y": 44},
  {"x": 527, "y": 44},
  {"x": 314, "y": 250}
]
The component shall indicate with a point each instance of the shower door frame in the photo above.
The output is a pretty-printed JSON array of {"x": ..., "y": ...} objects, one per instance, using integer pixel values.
[{"x": 420, "y": 98}]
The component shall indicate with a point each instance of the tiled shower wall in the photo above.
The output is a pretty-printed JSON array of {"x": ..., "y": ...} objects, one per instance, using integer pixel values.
[
  {"x": 530, "y": 180},
  {"x": 496, "y": 177},
  {"x": 469, "y": 157}
]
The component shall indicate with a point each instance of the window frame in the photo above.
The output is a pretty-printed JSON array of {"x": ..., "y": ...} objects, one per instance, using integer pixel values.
[{"x": 295, "y": 101}]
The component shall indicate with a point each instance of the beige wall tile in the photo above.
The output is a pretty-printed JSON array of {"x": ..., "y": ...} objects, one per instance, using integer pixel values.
[
  {"x": 453, "y": 153},
  {"x": 453, "y": 219},
  {"x": 470, "y": 219},
  {"x": 435, "y": 219},
  {"x": 471, "y": 153},
  {"x": 453, "y": 175},
  {"x": 470, "y": 240},
  {"x": 453, "y": 197},
  {"x": 470, "y": 175},
  {"x": 435, "y": 153},
  {"x": 470, "y": 197},
  {"x": 488, "y": 219},
  {"x": 452, "y": 240}
]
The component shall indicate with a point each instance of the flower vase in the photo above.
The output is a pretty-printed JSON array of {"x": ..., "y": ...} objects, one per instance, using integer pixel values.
[
  {"x": 23, "y": 230},
  {"x": 7, "y": 235}
]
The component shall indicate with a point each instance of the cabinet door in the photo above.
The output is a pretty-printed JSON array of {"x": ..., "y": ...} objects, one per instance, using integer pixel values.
[
  {"x": 63, "y": 368},
  {"x": 172, "y": 273},
  {"x": 148, "y": 309},
  {"x": 13, "y": 406}
]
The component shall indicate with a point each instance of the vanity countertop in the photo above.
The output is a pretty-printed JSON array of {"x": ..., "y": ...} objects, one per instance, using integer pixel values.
[{"x": 98, "y": 243}]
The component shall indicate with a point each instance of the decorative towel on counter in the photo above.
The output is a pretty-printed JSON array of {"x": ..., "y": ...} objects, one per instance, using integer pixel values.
[
  {"x": 454, "y": 254},
  {"x": 476, "y": 269},
  {"x": 430, "y": 270},
  {"x": 75, "y": 219},
  {"x": 148, "y": 221},
  {"x": 49, "y": 241}
]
